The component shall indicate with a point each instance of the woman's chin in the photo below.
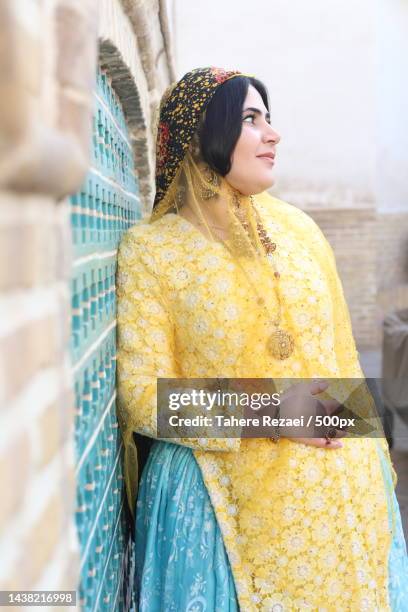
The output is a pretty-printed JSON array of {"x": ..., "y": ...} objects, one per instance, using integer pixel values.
[
  {"x": 263, "y": 186},
  {"x": 253, "y": 188}
]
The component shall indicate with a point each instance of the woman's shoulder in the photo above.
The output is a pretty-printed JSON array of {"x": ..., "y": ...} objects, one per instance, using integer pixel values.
[
  {"x": 152, "y": 245},
  {"x": 282, "y": 211},
  {"x": 146, "y": 235},
  {"x": 291, "y": 217}
]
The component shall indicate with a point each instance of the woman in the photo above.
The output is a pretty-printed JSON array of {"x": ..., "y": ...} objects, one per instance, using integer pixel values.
[{"x": 226, "y": 281}]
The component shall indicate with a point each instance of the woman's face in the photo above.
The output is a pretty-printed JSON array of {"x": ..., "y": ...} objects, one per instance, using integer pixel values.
[{"x": 253, "y": 157}]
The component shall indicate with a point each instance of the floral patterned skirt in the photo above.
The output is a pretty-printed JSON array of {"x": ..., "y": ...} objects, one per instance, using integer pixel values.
[
  {"x": 181, "y": 561},
  {"x": 398, "y": 559}
]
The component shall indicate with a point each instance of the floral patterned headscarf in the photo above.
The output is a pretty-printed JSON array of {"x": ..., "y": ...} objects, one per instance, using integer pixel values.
[{"x": 181, "y": 108}]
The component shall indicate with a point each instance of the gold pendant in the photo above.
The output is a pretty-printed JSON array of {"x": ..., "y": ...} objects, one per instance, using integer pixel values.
[{"x": 280, "y": 344}]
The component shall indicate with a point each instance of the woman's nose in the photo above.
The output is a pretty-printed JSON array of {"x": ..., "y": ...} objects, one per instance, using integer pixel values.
[{"x": 271, "y": 135}]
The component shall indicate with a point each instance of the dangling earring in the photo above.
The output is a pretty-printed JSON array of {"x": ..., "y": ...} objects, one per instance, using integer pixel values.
[{"x": 212, "y": 178}]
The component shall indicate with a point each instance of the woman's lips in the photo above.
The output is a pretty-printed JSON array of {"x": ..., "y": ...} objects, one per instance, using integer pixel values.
[{"x": 268, "y": 158}]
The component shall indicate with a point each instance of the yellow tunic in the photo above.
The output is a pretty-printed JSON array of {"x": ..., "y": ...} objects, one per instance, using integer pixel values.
[{"x": 305, "y": 528}]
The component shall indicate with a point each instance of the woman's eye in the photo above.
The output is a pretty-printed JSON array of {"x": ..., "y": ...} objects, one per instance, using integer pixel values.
[{"x": 249, "y": 117}]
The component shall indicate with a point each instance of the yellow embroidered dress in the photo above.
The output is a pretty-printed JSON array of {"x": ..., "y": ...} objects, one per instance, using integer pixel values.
[{"x": 304, "y": 527}]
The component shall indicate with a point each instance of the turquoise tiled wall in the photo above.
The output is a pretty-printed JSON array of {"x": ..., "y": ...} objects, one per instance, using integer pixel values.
[{"x": 106, "y": 205}]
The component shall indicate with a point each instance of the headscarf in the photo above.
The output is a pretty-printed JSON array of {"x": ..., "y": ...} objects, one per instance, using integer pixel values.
[{"x": 181, "y": 109}]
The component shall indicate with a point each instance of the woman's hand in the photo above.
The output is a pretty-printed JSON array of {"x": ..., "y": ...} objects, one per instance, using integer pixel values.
[{"x": 300, "y": 401}]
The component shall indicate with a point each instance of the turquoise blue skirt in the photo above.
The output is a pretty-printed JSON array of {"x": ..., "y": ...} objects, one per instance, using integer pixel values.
[{"x": 181, "y": 561}]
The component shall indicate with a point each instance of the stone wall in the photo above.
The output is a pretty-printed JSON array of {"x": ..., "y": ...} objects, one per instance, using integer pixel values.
[
  {"x": 36, "y": 453},
  {"x": 371, "y": 251},
  {"x": 48, "y": 65},
  {"x": 392, "y": 262},
  {"x": 351, "y": 233}
]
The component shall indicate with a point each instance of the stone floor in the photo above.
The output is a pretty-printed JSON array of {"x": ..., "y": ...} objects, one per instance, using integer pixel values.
[{"x": 371, "y": 364}]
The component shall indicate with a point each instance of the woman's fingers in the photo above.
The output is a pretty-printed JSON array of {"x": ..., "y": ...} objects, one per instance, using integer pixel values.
[
  {"x": 332, "y": 406},
  {"x": 319, "y": 442},
  {"x": 318, "y": 386}
]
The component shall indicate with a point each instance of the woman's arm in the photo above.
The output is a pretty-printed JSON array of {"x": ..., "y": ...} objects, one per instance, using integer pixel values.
[{"x": 146, "y": 345}]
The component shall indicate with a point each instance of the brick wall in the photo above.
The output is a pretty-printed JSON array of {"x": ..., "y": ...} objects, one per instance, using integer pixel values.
[
  {"x": 392, "y": 262},
  {"x": 372, "y": 258},
  {"x": 48, "y": 67},
  {"x": 42, "y": 157},
  {"x": 36, "y": 419}
]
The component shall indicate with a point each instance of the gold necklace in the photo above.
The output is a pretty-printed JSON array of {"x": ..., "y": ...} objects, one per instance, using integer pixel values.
[{"x": 280, "y": 343}]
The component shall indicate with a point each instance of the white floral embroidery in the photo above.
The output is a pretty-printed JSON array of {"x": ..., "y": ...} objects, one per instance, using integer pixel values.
[
  {"x": 153, "y": 308},
  {"x": 185, "y": 227},
  {"x": 289, "y": 512},
  {"x": 182, "y": 275},
  {"x": 137, "y": 361},
  {"x": 302, "y": 318},
  {"x": 157, "y": 238},
  {"x": 158, "y": 335},
  {"x": 124, "y": 307},
  {"x": 212, "y": 354},
  {"x": 191, "y": 299},
  {"x": 200, "y": 326},
  {"x": 292, "y": 291},
  {"x": 167, "y": 255},
  {"x": 137, "y": 295},
  {"x": 296, "y": 366},
  {"x": 128, "y": 335},
  {"x": 309, "y": 348},
  {"x": 197, "y": 243},
  {"x": 222, "y": 284},
  {"x": 295, "y": 543},
  {"x": 231, "y": 311},
  {"x": 317, "y": 502},
  {"x": 273, "y": 604},
  {"x": 312, "y": 474},
  {"x": 148, "y": 259},
  {"x": 212, "y": 261}
]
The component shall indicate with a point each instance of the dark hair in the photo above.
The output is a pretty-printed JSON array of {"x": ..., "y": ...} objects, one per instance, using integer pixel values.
[{"x": 222, "y": 124}]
